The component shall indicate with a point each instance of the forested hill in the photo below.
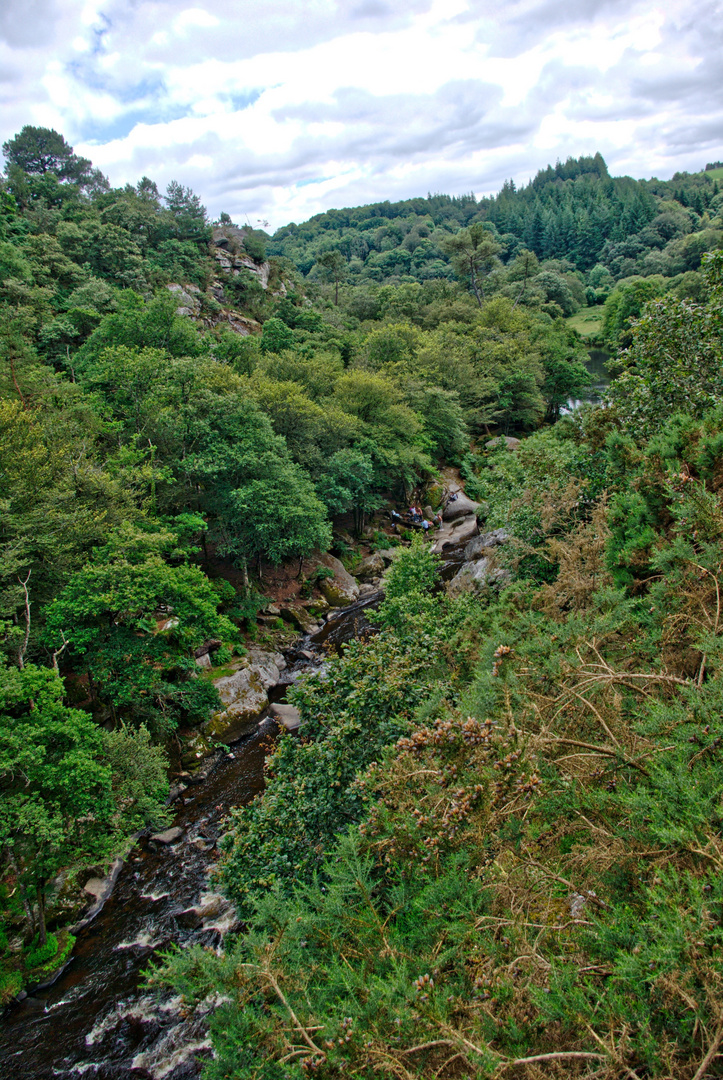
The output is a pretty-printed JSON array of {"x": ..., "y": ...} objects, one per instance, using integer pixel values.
[
  {"x": 183, "y": 402},
  {"x": 574, "y": 211}
]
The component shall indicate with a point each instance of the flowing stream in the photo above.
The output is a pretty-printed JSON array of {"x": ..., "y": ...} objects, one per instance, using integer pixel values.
[{"x": 97, "y": 1021}]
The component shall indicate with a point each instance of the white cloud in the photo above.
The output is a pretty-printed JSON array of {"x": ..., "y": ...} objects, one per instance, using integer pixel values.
[{"x": 280, "y": 110}]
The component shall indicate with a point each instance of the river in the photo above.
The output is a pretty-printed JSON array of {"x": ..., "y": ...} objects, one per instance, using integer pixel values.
[{"x": 600, "y": 377}]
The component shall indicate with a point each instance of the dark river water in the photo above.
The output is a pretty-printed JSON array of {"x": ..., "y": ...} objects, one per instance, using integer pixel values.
[{"x": 600, "y": 376}]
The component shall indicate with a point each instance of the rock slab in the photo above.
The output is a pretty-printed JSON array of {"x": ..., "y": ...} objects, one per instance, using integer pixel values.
[
  {"x": 476, "y": 548},
  {"x": 460, "y": 507},
  {"x": 472, "y": 577}
]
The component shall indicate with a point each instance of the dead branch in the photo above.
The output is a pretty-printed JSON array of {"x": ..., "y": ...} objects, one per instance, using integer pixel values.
[
  {"x": 24, "y": 647},
  {"x": 712, "y": 1052}
]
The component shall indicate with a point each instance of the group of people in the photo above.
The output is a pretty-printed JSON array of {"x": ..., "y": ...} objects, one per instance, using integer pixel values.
[{"x": 416, "y": 516}]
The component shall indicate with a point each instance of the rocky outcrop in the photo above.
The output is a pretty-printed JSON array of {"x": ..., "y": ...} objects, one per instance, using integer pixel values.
[
  {"x": 188, "y": 297},
  {"x": 231, "y": 255},
  {"x": 455, "y": 532},
  {"x": 476, "y": 548},
  {"x": 371, "y": 567},
  {"x": 474, "y": 576},
  {"x": 341, "y": 589}
]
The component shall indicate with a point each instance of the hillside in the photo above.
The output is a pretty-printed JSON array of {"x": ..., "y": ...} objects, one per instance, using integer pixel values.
[{"x": 494, "y": 848}]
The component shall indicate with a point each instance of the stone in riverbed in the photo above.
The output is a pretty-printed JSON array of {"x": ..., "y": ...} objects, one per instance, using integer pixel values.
[
  {"x": 244, "y": 696},
  {"x": 287, "y": 715},
  {"x": 299, "y": 618},
  {"x": 268, "y": 664},
  {"x": 169, "y": 836},
  {"x": 195, "y": 749}
]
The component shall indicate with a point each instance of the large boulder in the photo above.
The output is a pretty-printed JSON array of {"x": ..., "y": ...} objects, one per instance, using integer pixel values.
[
  {"x": 268, "y": 664},
  {"x": 476, "y": 548},
  {"x": 472, "y": 577},
  {"x": 287, "y": 715},
  {"x": 300, "y": 618},
  {"x": 370, "y": 567},
  {"x": 244, "y": 698},
  {"x": 341, "y": 589},
  {"x": 503, "y": 441},
  {"x": 459, "y": 507}
]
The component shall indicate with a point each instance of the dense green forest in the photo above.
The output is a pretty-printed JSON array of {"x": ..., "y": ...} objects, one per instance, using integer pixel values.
[{"x": 499, "y": 836}]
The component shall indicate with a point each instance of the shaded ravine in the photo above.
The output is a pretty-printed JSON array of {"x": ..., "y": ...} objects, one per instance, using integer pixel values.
[{"x": 97, "y": 1021}]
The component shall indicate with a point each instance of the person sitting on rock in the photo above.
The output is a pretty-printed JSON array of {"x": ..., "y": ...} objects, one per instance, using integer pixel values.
[{"x": 426, "y": 525}]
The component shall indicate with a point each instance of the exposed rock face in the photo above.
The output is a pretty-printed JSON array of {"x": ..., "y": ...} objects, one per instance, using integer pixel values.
[
  {"x": 341, "y": 589},
  {"x": 244, "y": 698},
  {"x": 474, "y": 576},
  {"x": 370, "y": 567},
  {"x": 477, "y": 547},
  {"x": 188, "y": 299},
  {"x": 460, "y": 507},
  {"x": 388, "y": 555},
  {"x": 228, "y": 241}
]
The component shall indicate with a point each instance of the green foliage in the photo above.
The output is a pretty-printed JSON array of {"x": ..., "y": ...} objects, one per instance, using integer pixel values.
[
  {"x": 130, "y": 618},
  {"x": 39, "y": 955},
  {"x": 67, "y": 797}
]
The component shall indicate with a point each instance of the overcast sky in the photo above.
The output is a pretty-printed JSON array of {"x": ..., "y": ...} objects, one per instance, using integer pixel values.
[{"x": 277, "y": 109}]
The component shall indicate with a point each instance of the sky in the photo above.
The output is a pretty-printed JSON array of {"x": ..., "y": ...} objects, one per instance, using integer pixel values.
[{"x": 274, "y": 110}]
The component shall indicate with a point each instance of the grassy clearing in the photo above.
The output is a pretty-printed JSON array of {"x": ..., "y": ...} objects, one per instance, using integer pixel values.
[{"x": 587, "y": 322}]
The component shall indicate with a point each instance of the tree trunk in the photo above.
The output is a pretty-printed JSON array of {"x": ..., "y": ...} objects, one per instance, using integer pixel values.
[
  {"x": 244, "y": 574},
  {"x": 475, "y": 290}
]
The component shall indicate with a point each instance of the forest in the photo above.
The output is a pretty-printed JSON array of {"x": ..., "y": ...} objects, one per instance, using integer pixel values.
[{"x": 496, "y": 848}]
